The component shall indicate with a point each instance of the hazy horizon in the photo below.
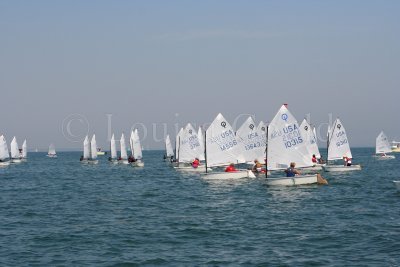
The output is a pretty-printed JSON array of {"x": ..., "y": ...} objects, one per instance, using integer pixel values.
[{"x": 71, "y": 68}]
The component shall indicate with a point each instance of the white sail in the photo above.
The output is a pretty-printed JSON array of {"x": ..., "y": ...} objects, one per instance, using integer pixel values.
[
  {"x": 262, "y": 130},
  {"x": 201, "y": 141},
  {"x": 338, "y": 144},
  {"x": 24, "y": 150},
  {"x": 93, "y": 147},
  {"x": 52, "y": 150},
  {"x": 14, "y": 149},
  {"x": 177, "y": 142},
  {"x": 124, "y": 154},
  {"x": 86, "y": 148},
  {"x": 285, "y": 142},
  {"x": 221, "y": 144},
  {"x": 382, "y": 144},
  {"x": 189, "y": 148},
  {"x": 136, "y": 146},
  {"x": 317, "y": 153},
  {"x": 4, "y": 154},
  {"x": 168, "y": 147},
  {"x": 252, "y": 141},
  {"x": 308, "y": 134},
  {"x": 113, "y": 147}
]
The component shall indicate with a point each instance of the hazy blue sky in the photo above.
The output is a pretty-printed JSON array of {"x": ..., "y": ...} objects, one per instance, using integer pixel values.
[{"x": 156, "y": 62}]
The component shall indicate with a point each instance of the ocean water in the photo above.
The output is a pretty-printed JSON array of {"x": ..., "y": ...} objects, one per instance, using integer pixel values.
[{"x": 58, "y": 212}]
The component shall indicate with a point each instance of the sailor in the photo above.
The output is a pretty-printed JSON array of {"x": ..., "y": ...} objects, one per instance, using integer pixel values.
[{"x": 291, "y": 171}]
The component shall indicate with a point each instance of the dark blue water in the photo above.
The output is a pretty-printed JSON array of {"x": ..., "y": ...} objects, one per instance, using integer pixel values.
[{"x": 58, "y": 212}]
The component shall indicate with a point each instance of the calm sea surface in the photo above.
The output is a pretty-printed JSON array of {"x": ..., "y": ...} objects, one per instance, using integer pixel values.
[{"x": 58, "y": 212}]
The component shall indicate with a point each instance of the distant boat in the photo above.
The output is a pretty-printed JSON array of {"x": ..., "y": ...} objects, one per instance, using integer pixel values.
[
  {"x": 395, "y": 146},
  {"x": 169, "y": 151},
  {"x": 14, "y": 151},
  {"x": 113, "y": 150},
  {"x": 382, "y": 147},
  {"x": 100, "y": 152},
  {"x": 4, "y": 154},
  {"x": 52, "y": 151},
  {"x": 89, "y": 151},
  {"x": 136, "y": 149},
  {"x": 338, "y": 148},
  {"x": 24, "y": 151},
  {"x": 124, "y": 154}
]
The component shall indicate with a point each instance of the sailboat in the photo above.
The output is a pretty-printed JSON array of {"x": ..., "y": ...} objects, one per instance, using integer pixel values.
[
  {"x": 15, "y": 155},
  {"x": 382, "y": 146},
  {"x": 24, "y": 151},
  {"x": 286, "y": 145},
  {"x": 252, "y": 140},
  {"x": 4, "y": 154},
  {"x": 189, "y": 149},
  {"x": 136, "y": 149},
  {"x": 201, "y": 141},
  {"x": 338, "y": 148},
  {"x": 86, "y": 150},
  {"x": 169, "y": 151},
  {"x": 93, "y": 150},
  {"x": 52, "y": 151},
  {"x": 113, "y": 150},
  {"x": 222, "y": 149},
  {"x": 308, "y": 135},
  {"x": 124, "y": 155}
]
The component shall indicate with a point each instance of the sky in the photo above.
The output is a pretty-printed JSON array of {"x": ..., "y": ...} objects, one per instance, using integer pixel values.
[{"x": 68, "y": 68}]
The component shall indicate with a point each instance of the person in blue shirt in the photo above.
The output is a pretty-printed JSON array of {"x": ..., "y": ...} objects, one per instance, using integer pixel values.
[{"x": 291, "y": 171}]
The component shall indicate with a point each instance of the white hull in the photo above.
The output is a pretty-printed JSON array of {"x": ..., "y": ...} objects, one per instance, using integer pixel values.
[
  {"x": 191, "y": 169},
  {"x": 137, "y": 164},
  {"x": 290, "y": 181},
  {"x": 51, "y": 156},
  {"x": 385, "y": 157},
  {"x": 16, "y": 160},
  {"x": 123, "y": 161},
  {"x": 341, "y": 168},
  {"x": 314, "y": 168},
  {"x": 229, "y": 175},
  {"x": 397, "y": 183},
  {"x": 101, "y": 153},
  {"x": 4, "y": 164},
  {"x": 113, "y": 161}
]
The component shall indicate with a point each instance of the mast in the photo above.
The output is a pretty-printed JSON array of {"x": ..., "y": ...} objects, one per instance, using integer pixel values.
[{"x": 266, "y": 152}]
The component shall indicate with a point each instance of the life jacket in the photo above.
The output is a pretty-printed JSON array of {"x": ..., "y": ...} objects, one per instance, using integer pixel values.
[
  {"x": 195, "y": 164},
  {"x": 314, "y": 160},
  {"x": 290, "y": 172},
  {"x": 230, "y": 169}
]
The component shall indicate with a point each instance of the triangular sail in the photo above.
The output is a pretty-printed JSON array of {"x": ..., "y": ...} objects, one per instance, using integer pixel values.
[
  {"x": 221, "y": 144},
  {"x": 168, "y": 147},
  {"x": 93, "y": 147},
  {"x": 382, "y": 144},
  {"x": 189, "y": 145},
  {"x": 86, "y": 148},
  {"x": 201, "y": 141},
  {"x": 52, "y": 150},
  {"x": 136, "y": 146},
  {"x": 338, "y": 144},
  {"x": 14, "y": 149},
  {"x": 285, "y": 142},
  {"x": 124, "y": 154},
  {"x": 4, "y": 154},
  {"x": 308, "y": 134},
  {"x": 24, "y": 149},
  {"x": 113, "y": 147},
  {"x": 252, "y": 140}
]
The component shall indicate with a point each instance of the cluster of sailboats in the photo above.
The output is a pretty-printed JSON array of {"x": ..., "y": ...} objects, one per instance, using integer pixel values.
[
  {"x": 90, "y": 151},
  {"x": 277, "y": 145},
  {"x": 15, "y": 155}
]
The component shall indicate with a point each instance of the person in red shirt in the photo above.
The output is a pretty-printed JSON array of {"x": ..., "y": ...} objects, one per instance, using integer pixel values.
[
  {"x": 230, "y": 168},
  {"x": 314, "y": 159},
  {"x": 195, "y": 163}
]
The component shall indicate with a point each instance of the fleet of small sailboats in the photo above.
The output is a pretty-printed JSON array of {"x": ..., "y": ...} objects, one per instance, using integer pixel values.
[{"x": 4, "y": 154}]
